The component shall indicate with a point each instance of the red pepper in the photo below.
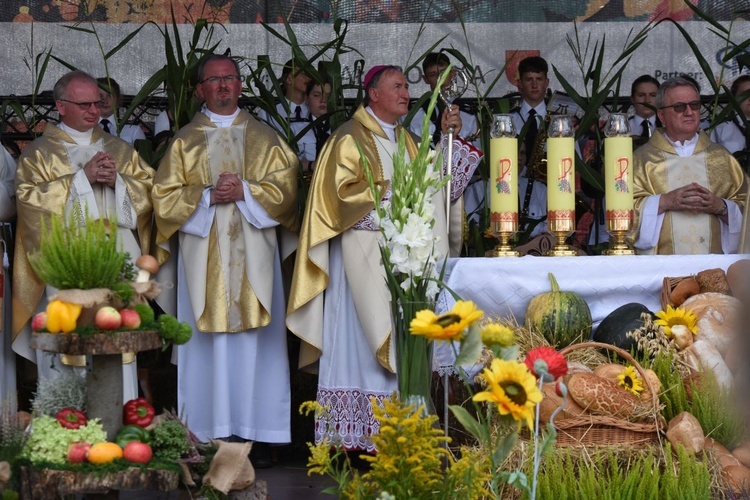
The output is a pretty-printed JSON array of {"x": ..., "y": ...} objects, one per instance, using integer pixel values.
[
  {"x": 138, "y": 412},
  {"x": 70, "y": 418}
]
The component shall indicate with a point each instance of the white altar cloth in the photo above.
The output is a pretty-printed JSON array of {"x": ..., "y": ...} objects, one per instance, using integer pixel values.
[{"x": 504, "y": 286}]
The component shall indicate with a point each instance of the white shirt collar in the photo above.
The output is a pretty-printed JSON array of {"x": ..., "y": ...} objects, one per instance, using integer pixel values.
[
  {"x": 541, "y": 109},
  {"x": 639, "y": 119},
  {"x": 220, "y": 121},
  {"x": 81, "y": 138},
  {"x": 388, "y": 128},
  {"x": 684, "y": 148},
  {"x": 304, "y": 110}
]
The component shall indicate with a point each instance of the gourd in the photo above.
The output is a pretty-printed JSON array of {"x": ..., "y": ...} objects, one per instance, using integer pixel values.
[
  {"x": 614, "y": 328},
  {"x": 104, "y": 453},
  {"x": 561, "y": 317}
]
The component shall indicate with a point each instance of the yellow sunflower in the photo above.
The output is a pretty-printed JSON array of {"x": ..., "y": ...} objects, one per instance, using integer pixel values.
[
  {"x": 676, "y": 316},
  {"x": 449, "y": 326},
  {"x": 630, "y": 381},
  {"x": 497, "y": 334},
  {"x": 512, "y": 388}
]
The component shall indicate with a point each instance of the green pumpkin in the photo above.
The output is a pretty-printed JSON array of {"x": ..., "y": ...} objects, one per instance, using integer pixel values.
[{"x": 561, "y": 317}]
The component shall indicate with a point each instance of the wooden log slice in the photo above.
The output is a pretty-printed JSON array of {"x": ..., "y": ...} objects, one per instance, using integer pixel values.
[
  {"x": 100, "y": 343},
  {"x": 41, "y": 484}
]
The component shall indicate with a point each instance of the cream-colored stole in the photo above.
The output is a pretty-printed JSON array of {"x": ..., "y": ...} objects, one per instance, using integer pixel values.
[
  {"x": 106, "y": 204},
  {"x": 225, "y": 151},
  {"x": 691, "y": 231},
  {"x": 244, "y": 254}
]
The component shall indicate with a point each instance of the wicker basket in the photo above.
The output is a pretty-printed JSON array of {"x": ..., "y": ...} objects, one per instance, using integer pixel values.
[
  {"x": 600, "y": 430},
  {"x": 668, "y": 285}
]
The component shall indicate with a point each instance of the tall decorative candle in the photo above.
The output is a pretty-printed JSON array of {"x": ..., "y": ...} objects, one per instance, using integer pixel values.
[
  {"x": 561, "y": 183},
  {"x": 618, "y": 183}
]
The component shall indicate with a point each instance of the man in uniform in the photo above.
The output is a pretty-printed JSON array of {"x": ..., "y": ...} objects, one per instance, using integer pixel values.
[
  {"x": 529, "y": 119},
  {"x": 109, "y": 91}
]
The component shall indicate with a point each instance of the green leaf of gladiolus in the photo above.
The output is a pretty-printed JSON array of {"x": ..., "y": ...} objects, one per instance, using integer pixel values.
[{"x": 470, "y": 423}]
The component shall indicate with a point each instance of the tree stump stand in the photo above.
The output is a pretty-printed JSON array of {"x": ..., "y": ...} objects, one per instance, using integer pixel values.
[
  {"x": 50, "y": 484},
  {"x": 104, "y": 376}
]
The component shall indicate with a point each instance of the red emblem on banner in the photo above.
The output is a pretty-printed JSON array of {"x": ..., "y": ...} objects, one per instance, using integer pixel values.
[{"x": 512, "y": 58}]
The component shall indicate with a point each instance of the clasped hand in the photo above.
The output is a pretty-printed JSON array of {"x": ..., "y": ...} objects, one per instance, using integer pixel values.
[
  {"x": 229, "y": 188},
  {"x": 692, "y": 197},
  {"x": 101, "y": 169}
]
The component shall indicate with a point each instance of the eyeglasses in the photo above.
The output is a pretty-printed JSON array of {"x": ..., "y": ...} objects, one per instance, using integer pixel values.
[
  {"x": 85, "y": 106},
  {"x": 680, "y": 107},
  {"x": 214, "y": 80}
]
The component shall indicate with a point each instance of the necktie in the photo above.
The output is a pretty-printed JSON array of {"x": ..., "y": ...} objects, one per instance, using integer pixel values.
[
  {"x": 645, "y": 129},
  {"x": 105, "y": 126},
  {"x": 531, "y": 132},
  {"x": 298, "y": 114},
  {"x": 321, "y": 135}
]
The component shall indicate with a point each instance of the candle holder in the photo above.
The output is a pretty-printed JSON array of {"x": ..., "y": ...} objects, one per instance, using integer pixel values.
[
  {"x": 561, "y": 216},
  {"x": 618, "y": 179},
  {"x": 503, "y": 185},
  {"x": 562, "y": 223}
]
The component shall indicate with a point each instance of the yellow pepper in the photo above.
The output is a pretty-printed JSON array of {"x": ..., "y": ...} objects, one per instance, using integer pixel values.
[{"x": 62, "y": 316}]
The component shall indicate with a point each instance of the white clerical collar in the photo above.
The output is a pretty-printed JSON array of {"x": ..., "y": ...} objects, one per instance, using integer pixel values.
[
  {"x": 388, "y": 128},
  {"x": 220, "y": 121},
  {"x": 684, "y": 148},
  {"x": 541, "y": 109},
  {"x": 80, "y": 138}
]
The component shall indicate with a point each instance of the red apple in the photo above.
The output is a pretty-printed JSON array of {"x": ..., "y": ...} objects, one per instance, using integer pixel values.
[
  {"x": 39, "y": 322},
  {"x": 77, "y": 452},
  {"x": 107, "y": 318},
  {"x": 137, "y": 452},
  {"x": 130, "y": 319}
]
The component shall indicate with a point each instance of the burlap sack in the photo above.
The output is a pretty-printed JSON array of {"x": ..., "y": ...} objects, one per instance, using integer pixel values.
[{"x": 231, "y": 468}]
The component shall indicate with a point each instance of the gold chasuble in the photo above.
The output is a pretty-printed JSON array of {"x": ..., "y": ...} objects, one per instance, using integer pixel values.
[
  {"x": 228, "y": 278},
  {"x": 45, "y": 187},
  {"x": 659, "y": 170},
  {"x": 339, "y": 198}
]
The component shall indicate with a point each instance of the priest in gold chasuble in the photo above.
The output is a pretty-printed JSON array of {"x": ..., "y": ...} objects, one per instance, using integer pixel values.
[
  {"x": 339, "y": 301},
  {"x": 76, "y": 168},
  {"x": 226, "y": 186},
  {"x": 689, "y": 192}
]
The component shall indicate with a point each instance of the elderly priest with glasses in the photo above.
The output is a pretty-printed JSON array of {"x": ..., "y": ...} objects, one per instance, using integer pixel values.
[{"x": 689, "y": 192}]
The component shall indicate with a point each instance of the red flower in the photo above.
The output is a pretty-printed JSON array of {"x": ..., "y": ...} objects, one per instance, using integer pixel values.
[{"x": 546, "y": 361}]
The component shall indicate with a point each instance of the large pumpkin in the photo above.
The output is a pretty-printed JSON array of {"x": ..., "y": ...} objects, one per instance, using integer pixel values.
[{"x": 562, "y": 317}]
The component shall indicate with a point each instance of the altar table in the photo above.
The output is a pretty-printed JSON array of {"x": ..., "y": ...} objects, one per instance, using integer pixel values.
[{"x": 504, "y": 286}]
